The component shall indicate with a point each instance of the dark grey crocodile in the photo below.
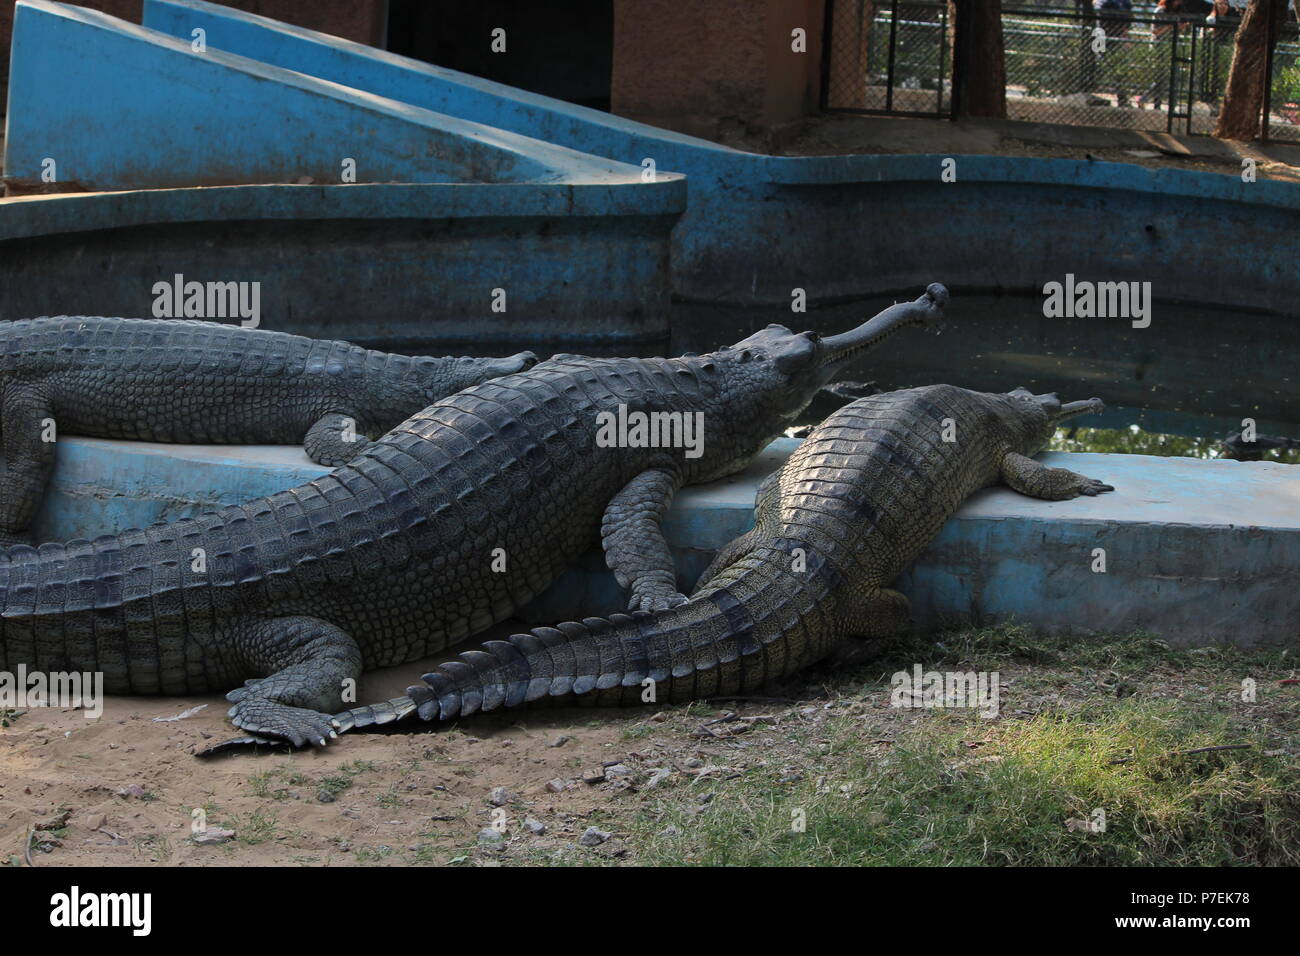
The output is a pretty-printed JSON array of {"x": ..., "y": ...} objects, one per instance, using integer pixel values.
[
  {"x": 175, "y": 380},
  {"x": 435, "y": 532},
  {"x": 852, "y": 507}
]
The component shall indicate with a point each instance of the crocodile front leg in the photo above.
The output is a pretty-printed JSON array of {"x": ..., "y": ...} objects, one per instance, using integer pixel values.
[
  {"x": 334, "y": 440},
  {"x": 29, "y": 442},
  {"x": 1037, "y": 480},
  {"x": 635, "y": 549},
  {"x": 307, "y": 661}
]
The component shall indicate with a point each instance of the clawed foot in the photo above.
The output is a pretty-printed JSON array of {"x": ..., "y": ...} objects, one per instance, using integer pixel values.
[
  {"x": 1091, "y": 486},
  {"x": 655, "y": 599},
  {"x": 264, "y": 717}
]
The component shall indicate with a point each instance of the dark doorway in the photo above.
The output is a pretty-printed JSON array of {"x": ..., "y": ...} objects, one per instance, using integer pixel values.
[{"x": 565, "y": 50}]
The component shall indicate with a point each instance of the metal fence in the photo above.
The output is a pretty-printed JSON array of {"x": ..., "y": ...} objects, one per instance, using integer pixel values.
[{"x": 1132, "y": 72}]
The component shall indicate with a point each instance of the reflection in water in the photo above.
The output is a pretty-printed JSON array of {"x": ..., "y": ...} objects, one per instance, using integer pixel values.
[{"x": 1186, "y": 381}]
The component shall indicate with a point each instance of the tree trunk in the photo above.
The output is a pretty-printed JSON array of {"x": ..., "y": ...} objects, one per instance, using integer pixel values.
[
  {"x": 980, "y": 57},
  {"x": 1243, "y": 98}
]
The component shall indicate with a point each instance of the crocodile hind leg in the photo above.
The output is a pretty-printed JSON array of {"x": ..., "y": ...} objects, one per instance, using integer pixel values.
[
  {"x": 306, "y": 661},
  {"x": 635, "y": 549},
  {"x": 766, "y": 502},
  {"x": 880, "y": 612},
  {"x": 28, "y": 440},
  {"x": 1037, "y": 480},
  {"x": 334, "y": 440}
]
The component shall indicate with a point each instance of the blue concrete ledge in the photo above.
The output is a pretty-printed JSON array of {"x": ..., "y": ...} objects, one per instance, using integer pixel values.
[
  {"x": 852, "y": 226},
  {"x": 1199, "y": 552}
]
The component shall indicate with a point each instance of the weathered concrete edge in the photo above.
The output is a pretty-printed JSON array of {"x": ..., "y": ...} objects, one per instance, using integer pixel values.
[
  {"x": 1194, "y": 583},
  {"x": 28, "y": 216}
]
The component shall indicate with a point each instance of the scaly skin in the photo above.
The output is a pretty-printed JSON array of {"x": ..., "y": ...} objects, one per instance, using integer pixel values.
[
  {"x": 853, "y": 506},
  {"x": 398, "y": 553},
  {"x": 173, "y": 380}
]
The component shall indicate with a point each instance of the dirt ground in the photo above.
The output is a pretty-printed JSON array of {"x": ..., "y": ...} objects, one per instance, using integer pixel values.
[
  {"x": 584, "y": 787},
  {"x": 130, "y": 784}
]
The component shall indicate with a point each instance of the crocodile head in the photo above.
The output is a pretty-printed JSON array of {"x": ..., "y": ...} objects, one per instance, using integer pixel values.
[
  {"x": 769, "y": 378},
  {"x": 1035, "y": 418}
]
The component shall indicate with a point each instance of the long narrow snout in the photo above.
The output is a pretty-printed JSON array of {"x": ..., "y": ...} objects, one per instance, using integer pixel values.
[
  {"x": 928, "y": 308},
  {"x": 1088, "y": 406}
]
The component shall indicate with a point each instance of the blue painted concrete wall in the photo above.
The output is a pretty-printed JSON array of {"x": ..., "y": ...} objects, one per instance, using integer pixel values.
[
  {"x": 383, "y": 264},
  {"x": 1200, "y": 552},
  {"x": 845, "y": 226}
]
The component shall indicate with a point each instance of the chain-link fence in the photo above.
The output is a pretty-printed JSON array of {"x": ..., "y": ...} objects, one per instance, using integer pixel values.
[
  {"x": 889, "y": 56},
  {"x": 1284, "y": 99},
  {"x": 1147, "y": 72}
]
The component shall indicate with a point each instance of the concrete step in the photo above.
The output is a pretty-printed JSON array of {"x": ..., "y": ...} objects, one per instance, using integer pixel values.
[{"x": 1198, "y": 552}]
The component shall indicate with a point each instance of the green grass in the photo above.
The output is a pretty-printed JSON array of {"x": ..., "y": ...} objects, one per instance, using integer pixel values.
[
  {"x": 1136, "y": 441},
  {"x": 954, "y": 789}
]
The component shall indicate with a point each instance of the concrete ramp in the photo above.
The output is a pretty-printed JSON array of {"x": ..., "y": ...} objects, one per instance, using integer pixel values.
[{"x": 139, "y": 109}]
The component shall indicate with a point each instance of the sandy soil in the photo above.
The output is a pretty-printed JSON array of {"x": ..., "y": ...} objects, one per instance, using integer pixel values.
[{"x": 130, "y": 784}]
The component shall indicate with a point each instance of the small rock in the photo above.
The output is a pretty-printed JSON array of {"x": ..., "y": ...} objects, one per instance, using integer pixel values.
[
  {"x": 694, "y": 763},
  {"x": 618, "y": 770},
  {"x": 499, "y": 796},
  {"x": 657, "y": 777},
  {"x": 535, "y": 827},
  {"x": 594, "y": 776},
  {"x": 214, "y": 835},
  {"x": 556, "y": 785},
  {"x": 490, "y": 837},
  {"x": 594, "y": 836},
  {"x": 660, "y": 717},
  {"x": 132, "y": 790},
  {"x": 560, "y": 741},
  {"x": 55, "y": 823},
  {"x": 670, "y": 831},
  {"x": 325, "y": 796},
  {"x": 94, "y": 821}
]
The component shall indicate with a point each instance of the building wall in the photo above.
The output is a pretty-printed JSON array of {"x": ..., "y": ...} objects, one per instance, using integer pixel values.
[{"x": 702, "y": 68}]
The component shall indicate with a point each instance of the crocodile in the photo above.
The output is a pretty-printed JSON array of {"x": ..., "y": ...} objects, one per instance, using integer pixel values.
[
  {"x": 180, "y": 380},
  {"x": 852, "y": 507},
  {"x": 435, "y": 532}
]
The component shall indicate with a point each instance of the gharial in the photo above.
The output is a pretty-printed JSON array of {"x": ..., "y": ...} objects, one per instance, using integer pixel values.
[
  {"x": 178, "y": 380},
  {"x": 858, "y": 500},
  {"x": 433, "y": 533}
]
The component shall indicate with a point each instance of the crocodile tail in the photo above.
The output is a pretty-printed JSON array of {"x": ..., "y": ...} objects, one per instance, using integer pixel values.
[
  {"x": 761, "y": 624},
  {"x": 398, "y": 708}
]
